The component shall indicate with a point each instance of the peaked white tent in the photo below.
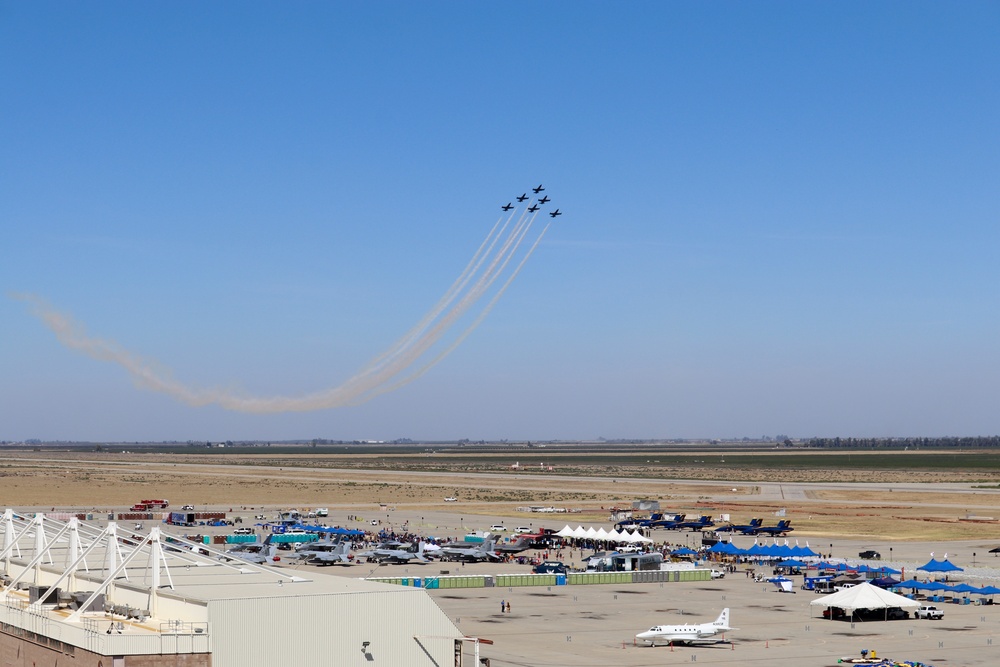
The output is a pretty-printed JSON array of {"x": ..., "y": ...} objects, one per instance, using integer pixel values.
[
  {"x": 864, "y": 596},
  {"x": 565, "y": 532}
]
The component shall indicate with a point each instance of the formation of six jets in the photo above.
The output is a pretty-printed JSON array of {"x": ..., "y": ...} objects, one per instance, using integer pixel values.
[{"x": 531, "y": 209}]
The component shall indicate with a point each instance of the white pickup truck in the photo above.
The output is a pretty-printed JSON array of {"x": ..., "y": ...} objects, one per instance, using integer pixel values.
[{"x": 929, "y": 611}]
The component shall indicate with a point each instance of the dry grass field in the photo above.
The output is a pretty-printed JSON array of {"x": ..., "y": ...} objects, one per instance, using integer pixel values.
[{"x": 887, "y": 504}]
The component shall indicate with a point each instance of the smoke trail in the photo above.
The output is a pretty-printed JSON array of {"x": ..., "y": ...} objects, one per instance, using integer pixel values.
[
  {"x": 379, "y": 376},
  {"x": 465, "y": 334}
]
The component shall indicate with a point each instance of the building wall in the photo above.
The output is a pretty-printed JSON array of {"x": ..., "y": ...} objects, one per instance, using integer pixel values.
[
  {"x": 403, "y": 627},
  {"x": 19, "y": 652}
]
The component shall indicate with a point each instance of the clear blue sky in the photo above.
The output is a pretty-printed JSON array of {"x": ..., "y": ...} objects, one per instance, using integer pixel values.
[{"x": 780, "y": 217}]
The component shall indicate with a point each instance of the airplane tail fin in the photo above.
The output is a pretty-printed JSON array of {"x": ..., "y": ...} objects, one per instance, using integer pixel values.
[{"x": 723, "y": 620}]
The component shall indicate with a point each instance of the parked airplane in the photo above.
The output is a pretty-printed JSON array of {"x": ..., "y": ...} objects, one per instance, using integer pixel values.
[
  {"x": 532, "y": 209},
  {"x": 704, "y": 522},
  {"x": 325, "y": 553},
  {"x": 391, "y": 552},
  {"x": 253, "y": 552},
  {"x": 555, "y": 213},
  {"x": 470, "y": 552},
  {"x": 748, "y": 529},
  {"x": 668, "y": 521},
  {"x": 688, "y": 633},
  {"x": 523, "y": 197},
  {"x": 544, "y": 200},
  {"x": 783, "y": 528},
  {"x": 538, "y": 189},
  {"x": 522, "y": 543},
  {"x": 507, "y": 207}
]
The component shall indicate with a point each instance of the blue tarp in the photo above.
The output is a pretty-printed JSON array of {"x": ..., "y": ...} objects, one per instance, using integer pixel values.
[{"x": 327, "y": 529}]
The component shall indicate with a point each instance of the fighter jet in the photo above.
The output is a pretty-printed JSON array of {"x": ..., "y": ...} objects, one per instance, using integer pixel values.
[
  {"x": 523, "y": 197},
  {"x": 544, "y": 200},
  {"x": 538, "y": 189},
  {"x": 253, "y": 552},
  {"x": 532, "y": 209},
  {"x": 324, "y": 553},
  {"x": 470, "y": 552},
  {"x": 507, "y": 207},
  {"x": 385, "y": 553},
  {"x": 555, "y": 213}
]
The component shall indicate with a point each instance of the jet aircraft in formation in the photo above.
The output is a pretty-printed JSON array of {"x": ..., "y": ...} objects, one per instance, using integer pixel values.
[{"x": 544, "y": 199}]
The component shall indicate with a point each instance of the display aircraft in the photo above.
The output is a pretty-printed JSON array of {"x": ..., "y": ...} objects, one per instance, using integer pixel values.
[
  {"x": 538, "y": 189},
  {"x": 705, "y": 521},
  {"x": 522, "y": 543},
  {"x": 668, "y": 521},
  {"x": 470, "y": 552},
  {"x": 508, "y": 206},
  {"x": 687, "y": 633},
  {"x": 325, "y": 553},
  {"x": 555, "y": 213},
  {"x": 783, "y": 528},
  {"x": 544, "y": 200},
  {"x": 391, "y": 552},
  {"x": 748, "y": 529},
  {"x": 253, "y": 552},
  {"x": 532, "y": 209},
  {"x": 523, "y": 197}
]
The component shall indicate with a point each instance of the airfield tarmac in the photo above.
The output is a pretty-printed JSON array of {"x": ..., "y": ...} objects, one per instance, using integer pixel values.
[{"x": 595, "y": 624}]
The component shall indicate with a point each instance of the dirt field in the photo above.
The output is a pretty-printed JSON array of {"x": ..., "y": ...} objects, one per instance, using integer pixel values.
[{"x": 889, "y": 505}]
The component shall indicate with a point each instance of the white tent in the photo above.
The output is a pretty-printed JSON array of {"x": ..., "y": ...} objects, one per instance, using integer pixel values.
[
  {"x": 615, "y": 536},
  {"x": 601, "y": 534},
  {"x": 592, "y": 532},
  {"x": 580, "y": 532},
  {"x": 864, "y": 596},
  {"x": 565, "y": 532},
  {"x": 636, "y": 536}
]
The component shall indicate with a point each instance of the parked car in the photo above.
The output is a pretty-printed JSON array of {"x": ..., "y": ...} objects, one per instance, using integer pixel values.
[
  {"x": 550, "y": 567},
  {"x": 896, "y": 614},
  {"x": 834, "y": 612},
  {"x": 523, "y": 529},
  {"x": 871, "y": 554},
  {"x": 498, "y": 528},
  {"x": 188, "y": 507},
  {"x": 243, "y": 531},
  {"x": 928, "y": 611},
  {"x": 718, "y": 574}
]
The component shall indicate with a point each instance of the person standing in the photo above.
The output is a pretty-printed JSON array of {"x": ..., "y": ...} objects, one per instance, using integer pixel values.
[{"x": 502, "y": 606}]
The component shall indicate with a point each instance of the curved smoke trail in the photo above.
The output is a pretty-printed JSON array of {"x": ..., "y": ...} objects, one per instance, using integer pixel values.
[{"x": 383, "y": 374}]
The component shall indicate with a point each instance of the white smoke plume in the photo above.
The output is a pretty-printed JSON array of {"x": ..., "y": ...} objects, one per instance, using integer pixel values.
[{"x": 388, "y": 371}]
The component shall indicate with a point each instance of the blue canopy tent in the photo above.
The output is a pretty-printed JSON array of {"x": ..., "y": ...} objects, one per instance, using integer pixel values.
[
  {"x": 727, "y": 548},
  {"x": 885, "y": 582},
  {"x": 802, "y": 552},
  {"x": 943, "y": 565},
  {"x": 683, "y": 551},
  {"x": 791, "y": 562}
]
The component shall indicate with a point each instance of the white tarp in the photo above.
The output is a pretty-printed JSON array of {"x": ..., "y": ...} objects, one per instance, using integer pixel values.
[
  {"x": 565, "y": 532},
  {"x": 864, "y": 596}
]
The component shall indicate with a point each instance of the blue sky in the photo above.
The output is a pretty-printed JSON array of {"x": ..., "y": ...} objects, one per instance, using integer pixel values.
[{"x": 779, "y": 217}]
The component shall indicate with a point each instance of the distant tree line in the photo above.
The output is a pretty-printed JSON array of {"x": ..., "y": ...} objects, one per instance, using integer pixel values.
[{"x": 913, "y": 443}]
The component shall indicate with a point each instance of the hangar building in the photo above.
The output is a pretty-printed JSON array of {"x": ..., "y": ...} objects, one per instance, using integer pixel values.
[{"x": 73, "y": 594}]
